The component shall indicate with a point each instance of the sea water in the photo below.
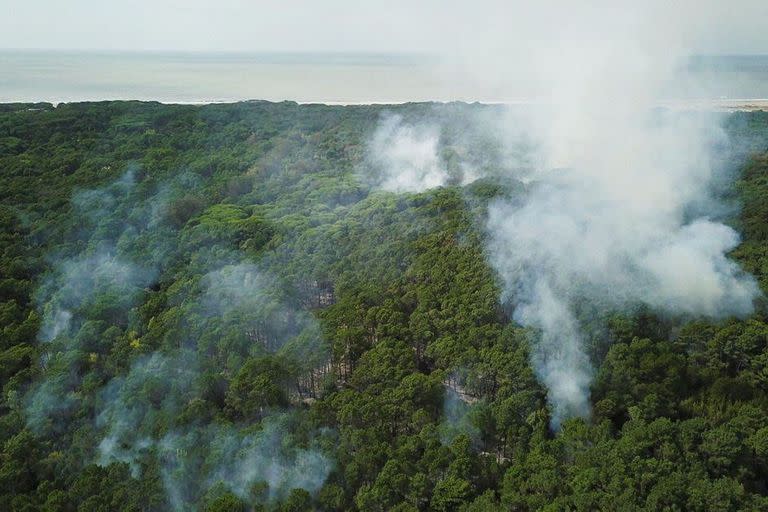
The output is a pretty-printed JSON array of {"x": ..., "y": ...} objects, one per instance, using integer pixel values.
[{"x": 65, "y": 76}]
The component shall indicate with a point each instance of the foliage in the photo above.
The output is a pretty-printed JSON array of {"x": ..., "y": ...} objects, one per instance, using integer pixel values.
[{"x": 352, "y": 313}]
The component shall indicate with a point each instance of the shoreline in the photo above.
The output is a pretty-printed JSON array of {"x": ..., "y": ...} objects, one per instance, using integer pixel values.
[
  {"x": 722, "y": 105},
  {"x": 717, "y": 105}
]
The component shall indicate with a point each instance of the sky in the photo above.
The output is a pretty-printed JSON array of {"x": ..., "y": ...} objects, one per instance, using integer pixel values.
[{"x": 392, "y": 26}]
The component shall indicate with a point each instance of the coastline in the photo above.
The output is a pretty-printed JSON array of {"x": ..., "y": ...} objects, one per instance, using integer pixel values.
[
  {"x": 721, "y": 105},
  {"x": 717, "y": 105}
]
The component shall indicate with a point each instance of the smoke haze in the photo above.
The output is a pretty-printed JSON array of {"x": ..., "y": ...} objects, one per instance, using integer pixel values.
[
  {"x": 127, "y": 240},
  {"x": 623, "y": 210},
  {"x": 623, "y": 198}
]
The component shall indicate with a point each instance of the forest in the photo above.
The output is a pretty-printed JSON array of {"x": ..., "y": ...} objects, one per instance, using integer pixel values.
[{"x": 214, "y": 308}]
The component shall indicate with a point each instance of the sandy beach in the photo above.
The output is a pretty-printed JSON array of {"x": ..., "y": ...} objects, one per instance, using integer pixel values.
[{"x": 721, "y": 105}]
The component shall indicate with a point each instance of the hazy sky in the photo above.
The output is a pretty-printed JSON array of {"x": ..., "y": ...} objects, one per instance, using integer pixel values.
[{"x": 428, "y": 26}]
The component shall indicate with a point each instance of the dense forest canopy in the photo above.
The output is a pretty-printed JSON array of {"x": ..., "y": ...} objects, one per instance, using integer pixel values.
[{"x": 233, "y": 307}]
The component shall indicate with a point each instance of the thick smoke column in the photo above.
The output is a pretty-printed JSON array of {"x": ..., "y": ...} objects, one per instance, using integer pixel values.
[
  {"x": 621, "y": 204},
  {"x": 622, "y": 211}
]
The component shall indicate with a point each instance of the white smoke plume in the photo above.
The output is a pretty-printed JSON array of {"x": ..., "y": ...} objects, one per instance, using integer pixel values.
[
  {"x": 621, "y": 200},
  {"x": 406, "y": 157},
  {"x": 622, "y": 210}
]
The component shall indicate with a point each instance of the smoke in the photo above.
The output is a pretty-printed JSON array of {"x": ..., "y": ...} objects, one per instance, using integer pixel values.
[
  {"x": 197, "y": 456},
  {"x": 235, "y": 300},
  {"x": 635, "y": 233},
  {"x": 457, "y": 418},
  {"x": 406, "y": 156},
  {"x": 623, "y": 209},
  {"x": 254, "y": 302},
  {"x": 156, "y": 386},
  {"x": 93, "y": 283},
  {"x": 409, "y": 157},
  {"x": 55, "y": 321},
  {"x": 621, "y": 204},
  {"x": 158, "y": 408},
  {"x": 85, "y": 278},
  {"x": 267, "y": 456}
]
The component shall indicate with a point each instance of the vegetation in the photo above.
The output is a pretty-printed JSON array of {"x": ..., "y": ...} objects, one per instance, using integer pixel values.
[{"x": 205, "y": 308}]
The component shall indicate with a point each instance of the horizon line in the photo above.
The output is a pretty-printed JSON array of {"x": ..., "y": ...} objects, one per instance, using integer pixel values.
[{"x": 372, "y": 52}]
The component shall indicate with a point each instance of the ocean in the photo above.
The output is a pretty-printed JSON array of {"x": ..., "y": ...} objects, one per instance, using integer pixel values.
[{"x": 66, "y": 76}]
